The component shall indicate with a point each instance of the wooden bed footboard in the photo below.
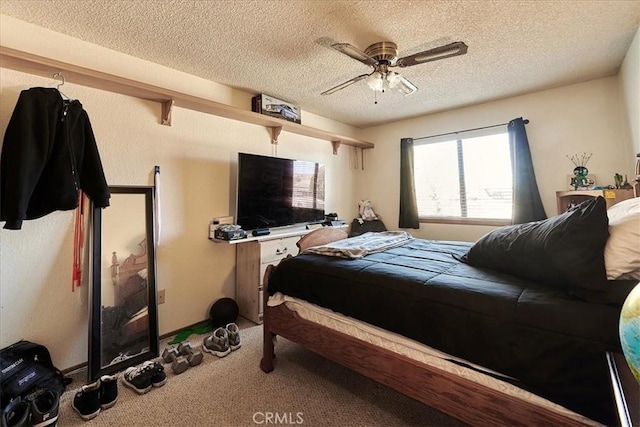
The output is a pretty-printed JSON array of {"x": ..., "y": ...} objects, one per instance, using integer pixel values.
[{"x": 461, "y": 398}]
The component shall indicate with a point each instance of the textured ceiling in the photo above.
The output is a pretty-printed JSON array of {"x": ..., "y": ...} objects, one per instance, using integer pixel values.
[{"x": 281, "y": 48}]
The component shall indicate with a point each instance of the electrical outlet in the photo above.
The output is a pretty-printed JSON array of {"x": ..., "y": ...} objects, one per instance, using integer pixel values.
[{"x": 161, "y": 296}]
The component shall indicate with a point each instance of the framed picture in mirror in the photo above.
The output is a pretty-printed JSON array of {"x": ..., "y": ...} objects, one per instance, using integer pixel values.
[{"x": 123, "y": 317}]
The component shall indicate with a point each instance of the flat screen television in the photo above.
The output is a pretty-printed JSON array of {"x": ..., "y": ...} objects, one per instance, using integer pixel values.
[{"x": 277, "y": 192}]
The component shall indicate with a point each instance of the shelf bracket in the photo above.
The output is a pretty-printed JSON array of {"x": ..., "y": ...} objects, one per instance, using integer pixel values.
[
  {"x": 275, "y": 133},
  {"x": 336, "y": 145},
  {"x": 167, "y": 107}
]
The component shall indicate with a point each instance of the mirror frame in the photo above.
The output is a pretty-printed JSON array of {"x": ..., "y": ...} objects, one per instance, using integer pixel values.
[{"x": 95, "y": 366}]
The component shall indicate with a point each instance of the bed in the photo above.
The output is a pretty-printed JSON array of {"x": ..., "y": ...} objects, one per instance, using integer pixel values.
[{"x": 499, "y": 348}]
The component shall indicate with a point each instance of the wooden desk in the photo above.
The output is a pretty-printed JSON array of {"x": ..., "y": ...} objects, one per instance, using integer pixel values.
[{"x": 625, "y": 389}]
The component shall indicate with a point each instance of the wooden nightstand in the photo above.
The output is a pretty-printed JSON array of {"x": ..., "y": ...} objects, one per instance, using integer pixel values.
[
  {"x": 626, "y": 390},
  {"x": 565, "y": 199}
]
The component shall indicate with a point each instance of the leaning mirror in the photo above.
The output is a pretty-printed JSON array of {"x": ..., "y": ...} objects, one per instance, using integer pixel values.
[{"x": 123, "y": 318}]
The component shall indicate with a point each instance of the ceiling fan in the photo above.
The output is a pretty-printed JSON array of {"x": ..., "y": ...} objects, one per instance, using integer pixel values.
[{"x": 384, "y": 55}]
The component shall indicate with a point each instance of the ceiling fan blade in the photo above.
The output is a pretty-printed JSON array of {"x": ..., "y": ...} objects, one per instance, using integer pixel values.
[
  {"x": 354, "y": 53},
  {"x": 402, "y": 84},
  {"x": 345, "y": 84},
  {"x": 447, "y": 51}
]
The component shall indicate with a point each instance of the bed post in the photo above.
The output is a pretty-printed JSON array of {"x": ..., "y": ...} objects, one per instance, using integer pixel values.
[
  {"x": 320, "y": 236},
  {"x": 266, "y": 364}
]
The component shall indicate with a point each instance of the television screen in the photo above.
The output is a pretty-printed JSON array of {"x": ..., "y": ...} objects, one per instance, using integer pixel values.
[{"x": 276, "y": 192}]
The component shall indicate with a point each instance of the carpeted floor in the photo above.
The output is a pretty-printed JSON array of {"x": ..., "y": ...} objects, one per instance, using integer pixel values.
[{"x": 303, "y": 389}]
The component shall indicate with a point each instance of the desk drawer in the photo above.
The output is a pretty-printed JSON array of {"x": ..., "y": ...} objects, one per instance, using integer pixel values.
[{"x": 272, "y": 251}]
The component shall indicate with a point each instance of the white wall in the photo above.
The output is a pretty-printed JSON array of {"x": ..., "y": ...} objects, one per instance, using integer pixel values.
[
  {"x": 195, "y": 155},
  {"x": 630, "y": 83},
  {"x": 588, "y": 117}
]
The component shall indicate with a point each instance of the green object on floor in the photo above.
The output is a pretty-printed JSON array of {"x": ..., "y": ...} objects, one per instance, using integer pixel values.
[{"x": 181, "y": 336}]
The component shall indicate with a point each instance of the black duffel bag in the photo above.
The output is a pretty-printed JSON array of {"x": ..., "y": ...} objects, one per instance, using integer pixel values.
[{"x": 26, "y": 370}]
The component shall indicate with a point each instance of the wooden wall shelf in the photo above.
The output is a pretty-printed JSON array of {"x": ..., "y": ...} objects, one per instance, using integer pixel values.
[{"x": 39, "y": 65}]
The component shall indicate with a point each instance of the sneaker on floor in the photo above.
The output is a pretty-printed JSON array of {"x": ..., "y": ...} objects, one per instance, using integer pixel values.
[
  {"x": 138, "y": 378},
  {"x": 44, "y": 409},
  {"x": 218, "y": 343},
  {"x": 108, "y": 391},
  {"x": 234, "y": 336},
  {"x": 16, "y": 414},
  {"x": 159, "y": 378},
  {"x": 86, "y": 402}
]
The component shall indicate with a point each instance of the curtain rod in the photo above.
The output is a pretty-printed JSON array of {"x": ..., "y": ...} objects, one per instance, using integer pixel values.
[{"x": 526, "y": 121}]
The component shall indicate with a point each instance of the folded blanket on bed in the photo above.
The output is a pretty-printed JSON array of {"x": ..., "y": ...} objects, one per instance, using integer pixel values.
[{"x": 365, "y": 244}]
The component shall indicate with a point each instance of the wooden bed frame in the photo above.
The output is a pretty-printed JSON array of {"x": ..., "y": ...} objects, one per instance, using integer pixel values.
[
  {"x": 122, "y": 273},
  {"x": 461, "y": 398}
]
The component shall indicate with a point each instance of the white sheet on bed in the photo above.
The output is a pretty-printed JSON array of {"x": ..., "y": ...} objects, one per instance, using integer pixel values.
[
  {"x": 413, "y": 350},
  {"x": 365, "y": 244}
]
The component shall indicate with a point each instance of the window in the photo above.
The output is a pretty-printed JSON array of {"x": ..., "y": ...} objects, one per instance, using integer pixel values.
[
  {"x": 464, "y": 179},
  {"x": 308, "y": 185}
]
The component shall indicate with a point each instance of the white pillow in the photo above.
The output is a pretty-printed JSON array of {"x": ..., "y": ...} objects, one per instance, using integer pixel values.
[
  {"x": 622, "y": 251},
  {"x": 623, "y": 209}
]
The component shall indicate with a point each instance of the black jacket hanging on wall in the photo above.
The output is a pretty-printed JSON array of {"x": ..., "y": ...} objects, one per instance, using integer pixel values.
[{"x": 48, "y": 154}]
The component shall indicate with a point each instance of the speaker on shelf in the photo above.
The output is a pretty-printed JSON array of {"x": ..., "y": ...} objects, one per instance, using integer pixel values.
[{"x": 261, "y": 232}]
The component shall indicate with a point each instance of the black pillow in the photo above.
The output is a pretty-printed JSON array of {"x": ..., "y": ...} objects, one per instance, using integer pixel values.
[{"x": 566, "y": 250}]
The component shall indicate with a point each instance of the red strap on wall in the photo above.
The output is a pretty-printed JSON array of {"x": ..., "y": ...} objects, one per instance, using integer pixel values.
[{"x": 78, "y": 242}]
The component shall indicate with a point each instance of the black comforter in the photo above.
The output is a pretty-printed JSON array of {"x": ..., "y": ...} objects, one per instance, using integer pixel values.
[{"x": 552, "y": 343}]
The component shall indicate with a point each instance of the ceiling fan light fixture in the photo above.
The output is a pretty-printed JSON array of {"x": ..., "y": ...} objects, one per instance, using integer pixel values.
[
  {"x": 377, "y": 82},
  {"x": 401, "y": 84},
  {"x": 394, "y": 79},
  {"x": 406, "y": 89}
]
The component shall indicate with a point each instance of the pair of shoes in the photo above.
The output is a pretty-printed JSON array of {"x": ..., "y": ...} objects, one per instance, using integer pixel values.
[
  {"x": 159, "y": 378},
  {"x": 142, "y": 377},
  {"x": 38, "y": 411},
  {"x": 223, "y": 341},
  {"x": 94, "y": 397}
]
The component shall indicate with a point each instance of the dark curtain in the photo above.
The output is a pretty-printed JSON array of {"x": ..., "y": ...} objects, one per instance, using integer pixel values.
[
  {"x": 408, "y": 204},
  {"x": 527, "y": 205}
]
